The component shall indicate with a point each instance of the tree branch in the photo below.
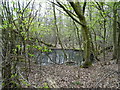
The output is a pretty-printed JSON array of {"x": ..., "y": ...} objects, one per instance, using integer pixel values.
[
  {"x": 69, "y": 13},
  {"x": 84, "y": 6}
]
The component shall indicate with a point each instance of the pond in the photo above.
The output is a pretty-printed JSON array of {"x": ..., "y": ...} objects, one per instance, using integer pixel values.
[{"x": 58, "y": 56}]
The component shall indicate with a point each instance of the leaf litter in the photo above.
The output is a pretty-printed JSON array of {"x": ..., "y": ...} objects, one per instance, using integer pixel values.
[{"x": 99, "y": 75}]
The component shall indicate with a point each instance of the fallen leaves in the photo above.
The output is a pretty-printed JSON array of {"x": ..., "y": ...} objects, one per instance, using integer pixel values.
[{"x": 64, "y": 76}]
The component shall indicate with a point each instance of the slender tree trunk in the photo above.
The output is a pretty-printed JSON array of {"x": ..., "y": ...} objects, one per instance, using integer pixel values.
[
  {"x": 57, "y": 31},
  {"x": 78, "y": 35},
  {"x": 6, "y": 69},
  {"x": 114, "y": 32},
  {"x": 104, "y": 39}
]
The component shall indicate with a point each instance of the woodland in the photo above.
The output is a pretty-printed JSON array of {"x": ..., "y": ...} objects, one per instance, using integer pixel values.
[{"x": 59, "y": 44}]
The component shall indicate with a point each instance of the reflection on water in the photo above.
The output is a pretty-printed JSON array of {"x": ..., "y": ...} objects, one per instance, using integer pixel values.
[{"x": 57, "y": 57}]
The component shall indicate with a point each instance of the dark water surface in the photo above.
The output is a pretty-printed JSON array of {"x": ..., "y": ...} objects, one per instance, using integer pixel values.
[{"x": 57, "y": 56}]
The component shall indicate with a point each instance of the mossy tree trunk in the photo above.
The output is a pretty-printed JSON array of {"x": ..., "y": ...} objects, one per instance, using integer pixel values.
[
  {"x": 79, "y": 13},
  {"x": 85, "y": 31},
  {"x": 114, "y": 31},
  {"x": 118, "y": 53},
  {"x": 118, "y": 40}
]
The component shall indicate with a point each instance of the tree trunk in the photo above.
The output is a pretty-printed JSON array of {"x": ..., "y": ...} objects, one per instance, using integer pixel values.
[
  {"x": 85, "y": 32},
  {"x": 118, "y": 40},
  {"x": 57, "y": 31},
  {"x": 114, "y": 32},
  {"x": 118, "y": 53}
]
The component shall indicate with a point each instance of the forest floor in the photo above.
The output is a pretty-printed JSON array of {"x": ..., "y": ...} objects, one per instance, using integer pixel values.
[{"x": 102, "y": 74}]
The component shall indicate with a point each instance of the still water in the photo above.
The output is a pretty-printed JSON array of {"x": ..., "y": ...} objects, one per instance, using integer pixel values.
[{"x": 57, "y": 56}]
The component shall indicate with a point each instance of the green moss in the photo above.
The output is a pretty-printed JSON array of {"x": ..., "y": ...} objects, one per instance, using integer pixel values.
[
  {"x": 81, "y": 66},
  {"x": 86, "y": 64},
  {"x": 22, "y": 60},
  {"x": 76, "y": 83},
  {"x": 46, "y": 85}
]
